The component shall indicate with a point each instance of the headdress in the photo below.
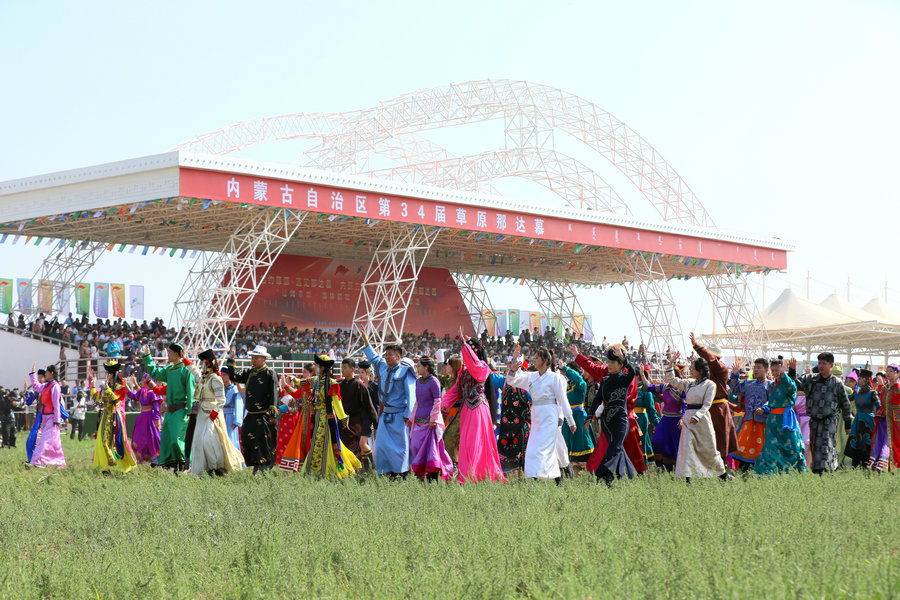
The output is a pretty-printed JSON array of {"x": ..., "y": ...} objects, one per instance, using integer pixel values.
[{"x": 323, "y": 360}]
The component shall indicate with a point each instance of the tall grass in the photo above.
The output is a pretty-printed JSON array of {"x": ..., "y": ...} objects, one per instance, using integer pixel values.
[{"x": 149, "y": 534}]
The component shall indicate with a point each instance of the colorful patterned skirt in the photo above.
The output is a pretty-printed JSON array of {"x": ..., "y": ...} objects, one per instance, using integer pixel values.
[
  {"x": 750, "y": 440},
  {"x": 286, "y": 425},
  {"x": 515, "y": 427},
  {"x": 782, "y": 450},
  {"x": 328, "y": 457},
  {"x": 298, "y": 446},
  {"x": 879, "y": 460}
]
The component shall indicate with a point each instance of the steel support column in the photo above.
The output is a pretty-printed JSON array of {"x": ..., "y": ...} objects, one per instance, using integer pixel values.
[
  {"x": 736, "y": 310},
  {"x": 67, "y": 264},
  {"x": 652, "y": 302},
  {"x": 389, "y": 283},
  {"x": 475, "y": 297},
  {"x": 220, "y": 285},
  {"x": 556, "y": 298}
]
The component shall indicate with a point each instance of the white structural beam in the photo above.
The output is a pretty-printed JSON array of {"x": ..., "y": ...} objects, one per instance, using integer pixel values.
[
  {"x": 651, "y": 300},
  {"x": 476, "y": 300},
  {"x": 557, "y": 299},
  {"x": 220, "y": 285},
  {"x": 67, "y": 264},
  {"x": 734, "y": 308},
  {"x": 389, "y": 283}
]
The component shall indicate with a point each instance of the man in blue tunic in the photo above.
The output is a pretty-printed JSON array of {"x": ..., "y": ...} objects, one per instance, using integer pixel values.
[
  {"x": 396, "y": 392},
  {"x": 751, "y": 435}
]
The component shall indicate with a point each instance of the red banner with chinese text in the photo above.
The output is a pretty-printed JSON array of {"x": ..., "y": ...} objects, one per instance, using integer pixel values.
[{"x": 307, "y": 292}]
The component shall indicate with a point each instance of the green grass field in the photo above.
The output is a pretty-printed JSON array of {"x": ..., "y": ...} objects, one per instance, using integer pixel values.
[{"x": 148, "y": 534}]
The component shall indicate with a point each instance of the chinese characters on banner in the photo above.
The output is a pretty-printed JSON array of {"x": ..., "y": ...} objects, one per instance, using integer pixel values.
[{"x": 247, "y": 189}]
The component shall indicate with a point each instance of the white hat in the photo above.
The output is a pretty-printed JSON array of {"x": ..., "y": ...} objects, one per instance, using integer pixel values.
[
  {"x": 260, "y": 351},
  {"x": 714, "y": 350}
]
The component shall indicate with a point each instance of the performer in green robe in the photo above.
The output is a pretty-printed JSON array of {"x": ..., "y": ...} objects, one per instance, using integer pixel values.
[
  {"x": 180, "y": 384},
  {"x": 580, "y": 444}
]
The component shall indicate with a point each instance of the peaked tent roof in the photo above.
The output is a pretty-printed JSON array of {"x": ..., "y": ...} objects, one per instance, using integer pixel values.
[
  {"x": 791, "y": 312},
  {"x": 882, "y": 311},
  {"x": 838, "y": 304}
]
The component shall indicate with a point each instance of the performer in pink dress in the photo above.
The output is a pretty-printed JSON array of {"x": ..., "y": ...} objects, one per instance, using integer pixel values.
[
  {"x": 478, "y": 457},
  {"x": 48, "y": 450}
]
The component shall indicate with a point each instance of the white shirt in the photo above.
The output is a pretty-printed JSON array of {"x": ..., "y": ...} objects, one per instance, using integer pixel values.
[{"x": 549, "y": 388}]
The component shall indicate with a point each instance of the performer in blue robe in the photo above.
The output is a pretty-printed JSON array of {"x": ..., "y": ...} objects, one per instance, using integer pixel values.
[{"x": 396, "y": 393}]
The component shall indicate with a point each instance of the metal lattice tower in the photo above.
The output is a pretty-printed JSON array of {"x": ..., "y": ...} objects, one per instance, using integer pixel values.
[
  {"x": 557, "y": 298},
  {"x": 220, "y": 286},
  {"x": 67, "y": 264},
  {"x": 734, "y": 305},
  {"x": 389, "y": 283},
  {"x": 475, "y": 296}
]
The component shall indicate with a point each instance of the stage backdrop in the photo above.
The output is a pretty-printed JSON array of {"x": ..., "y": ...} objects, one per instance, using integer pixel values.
[{"x": 308, "y": 292}]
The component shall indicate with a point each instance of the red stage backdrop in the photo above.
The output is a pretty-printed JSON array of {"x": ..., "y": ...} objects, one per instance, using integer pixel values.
[{"x": 308, "y": 292}]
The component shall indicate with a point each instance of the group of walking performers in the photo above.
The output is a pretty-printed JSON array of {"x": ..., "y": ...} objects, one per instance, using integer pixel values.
[{"x": 542, "y": 418}]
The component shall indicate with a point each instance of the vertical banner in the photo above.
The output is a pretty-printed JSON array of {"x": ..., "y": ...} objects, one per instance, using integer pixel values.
[
  {"x": 490, "y": 323},
  {"x": 63, "y": 295},
  {"x": 117, "y": 293},
  {"x": 577, "y": 325},
  {"x": 6, "y": 295},
  {"x": 534, "y": 322},
  {"x": 545, "y": 323},
  {"x": 23, "y": 287},
  {"x": 45, "y": 296},
  {"x": 556, "y": 323},
  {"x": 514, "y": 321},
  {"x": 588, "y": 329},
  {"x": 136, "y": 301},
  {"x": 501, "y": 322},
  {"x": 101, "y": 300},
  {"x": 82, "y": 298}
]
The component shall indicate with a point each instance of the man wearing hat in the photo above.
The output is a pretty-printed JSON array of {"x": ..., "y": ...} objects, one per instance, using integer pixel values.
[
  {"x": 826, "y": 404},
  {"x": 180, "y": 385},
  {"x": 396, "y": 392},
  {"x": 7, "y": 419},
  {"x": 865, "y": 397},
  {"x": 720, "y": 411},
  {"x": 258, "y": 433}
]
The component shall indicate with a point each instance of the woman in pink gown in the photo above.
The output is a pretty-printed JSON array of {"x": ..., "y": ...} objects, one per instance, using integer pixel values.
[
  {"x": 48, "y": 450},
  {"x": 478, "y": 457}
]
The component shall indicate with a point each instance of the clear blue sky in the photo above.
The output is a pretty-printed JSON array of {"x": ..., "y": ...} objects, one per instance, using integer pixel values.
[{"x": 782, "y": 116}]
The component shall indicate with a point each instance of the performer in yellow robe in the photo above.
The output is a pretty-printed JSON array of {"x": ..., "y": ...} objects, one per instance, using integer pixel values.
[
  {"x": 112, "y": 451},
  {"x": 327, "y": 456}
]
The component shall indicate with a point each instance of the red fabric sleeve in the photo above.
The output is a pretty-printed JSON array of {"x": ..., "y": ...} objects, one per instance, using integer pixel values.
[{"x": 597, "y": 371}]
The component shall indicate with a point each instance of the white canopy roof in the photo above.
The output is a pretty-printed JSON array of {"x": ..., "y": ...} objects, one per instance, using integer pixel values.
[
  {"x": 794, "y": 323},
  {"x": 839, "y": 305}
]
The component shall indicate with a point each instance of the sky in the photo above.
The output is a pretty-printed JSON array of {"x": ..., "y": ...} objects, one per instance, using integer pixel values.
[{"x": 781, "y": 116}]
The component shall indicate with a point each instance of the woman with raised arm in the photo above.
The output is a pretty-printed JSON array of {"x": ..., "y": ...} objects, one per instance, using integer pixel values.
[
  {"x": 297, "y": 447},
  {"x": 145, "y": 437},
  {"x": 697, "y": 452},
  {"x": 783, "y": 448},
  {"x": 48, "y": 449},
  {"x": 478, "y": 457},
  {"x": 548, "y": 397},
  {"x": 667, "y": 434},
  {"x": 613, "y": 397}
]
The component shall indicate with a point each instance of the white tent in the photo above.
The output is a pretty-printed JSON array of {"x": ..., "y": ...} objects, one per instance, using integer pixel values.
[
  {"x": 795, "y": 324},
  {"x": 882, "y": 311},
  {"x": 839, "y": 305}
]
